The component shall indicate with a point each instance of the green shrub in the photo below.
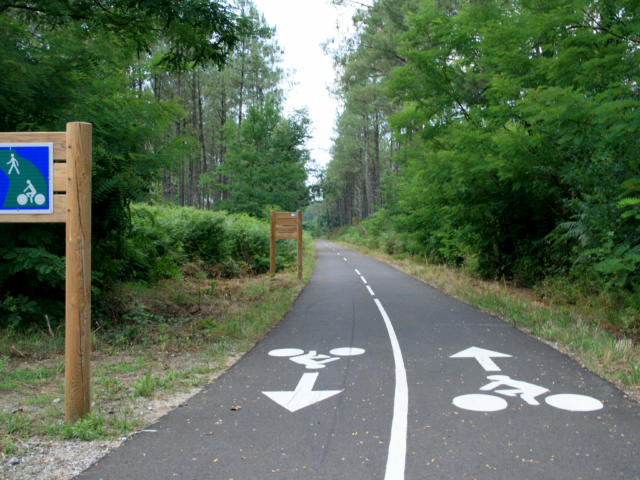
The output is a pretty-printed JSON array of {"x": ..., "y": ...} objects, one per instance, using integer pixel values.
[
  {"x": 161, "y": 240},
  {"x": 205, "y": 237},
  {"x": 168, "y": 236},
  {"x": 248, "y": 241}
]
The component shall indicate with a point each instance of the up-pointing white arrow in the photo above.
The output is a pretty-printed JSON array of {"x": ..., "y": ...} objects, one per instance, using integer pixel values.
[
  {"x": 483, "y": 357},
  {"x": 303, "y": 395}
]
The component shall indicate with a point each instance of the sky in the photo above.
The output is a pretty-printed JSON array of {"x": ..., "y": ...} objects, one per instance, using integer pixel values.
[{"x": 302, "y": 26}]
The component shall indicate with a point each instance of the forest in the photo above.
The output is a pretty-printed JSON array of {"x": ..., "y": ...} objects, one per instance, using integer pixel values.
[
  {"x": 499, "y": 137},
  {"x": 186, "y": 102}
]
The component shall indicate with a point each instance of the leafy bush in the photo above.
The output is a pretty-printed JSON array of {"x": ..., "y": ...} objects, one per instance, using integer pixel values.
[
  {"x": 228, "y": 244},
  {"x": 31, "y": 274},
  {"x": 205, "y": 237},
  {"x": 161, "y": 240},
  {"x": 248, "y": 242}
]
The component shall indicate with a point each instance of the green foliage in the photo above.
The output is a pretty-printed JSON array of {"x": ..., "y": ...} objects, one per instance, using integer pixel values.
[
  {"x": 314, "y": 219},
  {"x": 266, "y": 161},
  {"x": 248, "y": 243},
  {"x": 186, "y": 27},
  {"x": 204, "y": 237},
  {"x": 362, "y": 154},
  {"x": 65, "y": 61},
  {"x": 7, "y": 445},
  {"x": 160, "y": 242},
  {"x": 26, "y": 376},
  {"x": 516, "y": 127},
  {"x": 88, "y": 428},
  {"x": 632, "y": 377},
  {"x": 227, "y": 244},
  {"x": 15, "y": 424},
  {"x": 123, "y": 67},
  {"x": 39, "y": 269}
]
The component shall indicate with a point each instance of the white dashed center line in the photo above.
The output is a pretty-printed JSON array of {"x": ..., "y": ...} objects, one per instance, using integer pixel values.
[{"x": 396, "y": 456}]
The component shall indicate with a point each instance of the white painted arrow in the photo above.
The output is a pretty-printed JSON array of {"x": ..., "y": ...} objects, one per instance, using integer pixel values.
[
  {"x": 483, "y": 357},
  {"x": 303, "y": 395}
]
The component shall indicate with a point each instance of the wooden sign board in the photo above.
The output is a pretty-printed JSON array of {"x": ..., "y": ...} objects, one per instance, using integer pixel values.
[
  {"x": 69, "y": 186},
  {"x": 285, "y": 225}
]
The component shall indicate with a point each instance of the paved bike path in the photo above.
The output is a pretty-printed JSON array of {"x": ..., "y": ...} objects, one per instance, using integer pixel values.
[{"x": 333, "y": 360}]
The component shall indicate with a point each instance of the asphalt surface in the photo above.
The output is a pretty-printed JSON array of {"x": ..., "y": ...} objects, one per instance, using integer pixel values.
[{"x": 361, "y": 377}]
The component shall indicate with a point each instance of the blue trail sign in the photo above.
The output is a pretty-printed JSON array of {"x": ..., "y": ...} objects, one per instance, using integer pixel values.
[{"x": 26, "y": 178}]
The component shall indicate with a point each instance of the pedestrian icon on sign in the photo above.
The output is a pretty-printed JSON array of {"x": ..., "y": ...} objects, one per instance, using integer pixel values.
[{"x": 13, "y": 165}]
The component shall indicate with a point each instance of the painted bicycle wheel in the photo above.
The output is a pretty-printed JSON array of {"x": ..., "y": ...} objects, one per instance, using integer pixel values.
[
  {"x": 480, "y": 402},
  {"x": 573, "y": 402}
]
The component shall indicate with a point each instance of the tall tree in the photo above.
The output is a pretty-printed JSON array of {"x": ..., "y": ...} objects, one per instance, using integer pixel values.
[
  {"x": 513, "y": 133},
  {"x": 88, "y": 61},
  {"x": 364, "y": 62},
  {"x": 266, "y": 161},
  {"x": 192, "y": 31},
  {"x": 211, "y": 98}
]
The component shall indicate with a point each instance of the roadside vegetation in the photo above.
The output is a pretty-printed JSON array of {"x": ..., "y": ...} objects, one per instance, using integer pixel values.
[
  {"x": 496, "y": 144},
  {"x": 189, "y": 313}
]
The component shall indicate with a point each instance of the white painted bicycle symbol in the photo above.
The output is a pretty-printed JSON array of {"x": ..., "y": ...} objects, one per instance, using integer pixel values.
[
  {"x": 312, "y": 360},
  {"x": 304, "y": 395},
  {"x": 528, "y": 392}
]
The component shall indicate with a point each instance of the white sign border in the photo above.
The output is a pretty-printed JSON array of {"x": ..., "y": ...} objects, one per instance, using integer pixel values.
[{"x": 30, "y": 211}]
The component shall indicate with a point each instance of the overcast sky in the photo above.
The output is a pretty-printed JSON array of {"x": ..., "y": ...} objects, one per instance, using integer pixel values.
[{"x": 302, "y": 26}]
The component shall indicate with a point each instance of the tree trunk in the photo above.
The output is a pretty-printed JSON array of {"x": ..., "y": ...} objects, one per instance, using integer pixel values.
[
  {"x": 241, "y": 93},
  {"x": 195, "y": 157},
  {"x": 179, "y": 131},
  {"x": 203, "y": 147},
  {"x": 223, "y": 120},
  {"x": 376, "y": 164},
  {"x": 367, "y": 187}
]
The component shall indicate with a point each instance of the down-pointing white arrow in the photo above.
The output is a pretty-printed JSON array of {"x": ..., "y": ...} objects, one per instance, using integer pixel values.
[
  {"x": 303, "y": 395},
  {"x": 483, "y": 357}
]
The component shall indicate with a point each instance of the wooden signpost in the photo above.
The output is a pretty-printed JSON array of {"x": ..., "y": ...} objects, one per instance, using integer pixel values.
[
  {"x": 285, "y": 225},
  {"x": 71, "y": 188}
]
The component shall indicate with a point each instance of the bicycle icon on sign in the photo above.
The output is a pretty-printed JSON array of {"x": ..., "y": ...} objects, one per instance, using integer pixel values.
[
  {"x": 528, "y": 392},
  {"x": 31, "y": 195}
]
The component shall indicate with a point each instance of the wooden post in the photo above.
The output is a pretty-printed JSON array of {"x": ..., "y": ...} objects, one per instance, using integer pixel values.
[
  {"x": 272, "y": 244},
  {"x": 71, "y": 184},
  {"x": 78, "y": 272},
  {"x": 299, "y": 232}
]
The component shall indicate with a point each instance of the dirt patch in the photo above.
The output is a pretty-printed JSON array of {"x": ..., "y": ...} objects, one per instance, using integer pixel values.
[{"x": 46, "y": 459}]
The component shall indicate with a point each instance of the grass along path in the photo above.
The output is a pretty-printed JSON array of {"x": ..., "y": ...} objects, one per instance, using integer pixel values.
[
  {"x": 575, "y": 329},
  {"x": 178, "y": 337}
]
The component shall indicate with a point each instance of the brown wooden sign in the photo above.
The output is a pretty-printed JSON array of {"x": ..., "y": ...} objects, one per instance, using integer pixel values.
[
  {"x": 285, "y": 225},
  {"x": 72, "y": 206}
]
